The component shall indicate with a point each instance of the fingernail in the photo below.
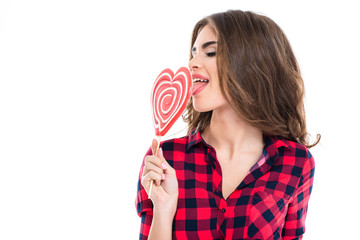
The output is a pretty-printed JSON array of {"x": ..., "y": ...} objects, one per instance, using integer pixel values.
[
  {"x": 163, "y": 166},
  {"x": 163, "y": 177}
]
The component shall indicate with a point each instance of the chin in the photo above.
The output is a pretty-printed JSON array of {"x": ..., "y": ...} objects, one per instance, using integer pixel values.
[{"x": 201, "y": 107}]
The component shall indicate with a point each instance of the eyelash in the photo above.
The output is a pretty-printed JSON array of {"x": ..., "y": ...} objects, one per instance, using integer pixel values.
[{"x": 211, "y": 54}]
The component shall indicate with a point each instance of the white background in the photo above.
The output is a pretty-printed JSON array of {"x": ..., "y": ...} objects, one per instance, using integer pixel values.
[{"x": 75, "y": 121}]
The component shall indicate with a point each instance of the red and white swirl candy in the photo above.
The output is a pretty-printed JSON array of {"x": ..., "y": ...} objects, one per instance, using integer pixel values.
[{"x": 170, "y": 95}]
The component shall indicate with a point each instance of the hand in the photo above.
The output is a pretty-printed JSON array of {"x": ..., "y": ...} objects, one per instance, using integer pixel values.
[{"x": 165, "y": 191}]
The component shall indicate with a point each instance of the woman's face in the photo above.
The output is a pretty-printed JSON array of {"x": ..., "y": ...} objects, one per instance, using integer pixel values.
[{"x": 206, "y": 92}]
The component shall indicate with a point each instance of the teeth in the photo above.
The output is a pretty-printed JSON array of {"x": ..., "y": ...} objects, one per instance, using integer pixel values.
[{"x": 200, "y": 80}]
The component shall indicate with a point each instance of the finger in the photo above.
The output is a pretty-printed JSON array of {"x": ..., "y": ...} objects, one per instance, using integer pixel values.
[
  {"x": 164, "y": 164},
  {"x": 154, "y": 160},
  {"x": 150, "y": 176},
  {"x": 149, "y": 166},
  {"x": 154, "y": 146}
]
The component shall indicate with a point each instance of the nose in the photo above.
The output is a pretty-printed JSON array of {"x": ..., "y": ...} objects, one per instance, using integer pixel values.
[{"x": 194, "y": 63}]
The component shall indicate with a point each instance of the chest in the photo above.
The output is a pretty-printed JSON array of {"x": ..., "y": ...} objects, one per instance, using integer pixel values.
[
  {"x": 232, "y": 176},
  {"x": 233, "y": 172},
  {"x": 204, "y": 213}
]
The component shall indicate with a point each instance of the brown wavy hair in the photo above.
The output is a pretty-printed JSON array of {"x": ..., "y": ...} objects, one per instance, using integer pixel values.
[{"x": 258, "y": 73}]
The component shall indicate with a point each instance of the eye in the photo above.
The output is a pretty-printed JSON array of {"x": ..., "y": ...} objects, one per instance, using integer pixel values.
[{"x": 211, "y": 54}]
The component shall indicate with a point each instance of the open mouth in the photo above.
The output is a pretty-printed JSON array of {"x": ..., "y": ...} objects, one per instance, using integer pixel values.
[
  {"x": 198, "y": 85},
  {"x": 200, "y": 80}
]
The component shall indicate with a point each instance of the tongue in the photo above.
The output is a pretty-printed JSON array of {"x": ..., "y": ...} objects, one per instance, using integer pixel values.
[{"x": 197, "y": 86}]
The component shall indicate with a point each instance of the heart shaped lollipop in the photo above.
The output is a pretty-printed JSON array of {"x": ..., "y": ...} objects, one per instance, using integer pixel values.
[
  {"x": 170, "y": 94},
  {"x": 169, "y": 97}
]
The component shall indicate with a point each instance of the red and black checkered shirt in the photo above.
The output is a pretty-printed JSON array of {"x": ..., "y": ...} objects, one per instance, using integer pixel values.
[{"x": 270, "y": 203}]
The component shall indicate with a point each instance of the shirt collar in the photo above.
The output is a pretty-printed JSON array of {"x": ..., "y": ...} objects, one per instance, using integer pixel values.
[
  {"x": 272, "y": 143},
  {"x": 193, "y": 139}
]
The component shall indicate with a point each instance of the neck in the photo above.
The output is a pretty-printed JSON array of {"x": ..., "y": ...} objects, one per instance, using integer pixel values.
[{"x": 228, "y": 132}]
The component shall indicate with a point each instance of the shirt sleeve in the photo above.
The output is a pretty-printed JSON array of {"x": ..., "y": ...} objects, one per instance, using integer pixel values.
[
  {"x": 143, "y": 205},
  {"x": 294, "y": 226}
]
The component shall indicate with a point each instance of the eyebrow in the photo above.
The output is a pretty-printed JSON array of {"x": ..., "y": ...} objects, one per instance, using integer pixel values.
[{"x": 205, "y": 45}]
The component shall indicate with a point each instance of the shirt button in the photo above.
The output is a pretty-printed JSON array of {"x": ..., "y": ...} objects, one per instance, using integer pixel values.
[{"x": 223, "y": 210}]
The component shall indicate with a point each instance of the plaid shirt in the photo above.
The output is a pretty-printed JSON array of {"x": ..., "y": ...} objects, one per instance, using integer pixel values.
[{"x": 270, "y": 203}]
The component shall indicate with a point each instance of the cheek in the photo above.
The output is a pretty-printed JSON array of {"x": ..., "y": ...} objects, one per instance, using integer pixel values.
[
  {"x": 214, "y": 76},
  {"x": 212, "y": 67},
  {"x": 216, "y": 97}
]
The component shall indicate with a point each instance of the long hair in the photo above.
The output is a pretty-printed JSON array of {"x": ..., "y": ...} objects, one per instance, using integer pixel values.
[{"x": 258, "y": 73}]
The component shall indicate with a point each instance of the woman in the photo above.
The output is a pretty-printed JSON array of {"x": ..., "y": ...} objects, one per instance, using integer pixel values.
[{"x": 244, "y": 170}]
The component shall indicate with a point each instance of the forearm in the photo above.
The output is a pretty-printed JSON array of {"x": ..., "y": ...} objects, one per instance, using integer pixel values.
[{"x": 161, "y": 226}]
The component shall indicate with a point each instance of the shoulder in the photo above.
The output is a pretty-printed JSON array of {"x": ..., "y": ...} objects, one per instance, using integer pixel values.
[
  {"x": 170, "y": 145},
  {"x": 174, "y": 144},
  {"x": 175, "y": 150},
  {"x": 291, "y": 152},
  {"x": 291, "y": 159}
]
